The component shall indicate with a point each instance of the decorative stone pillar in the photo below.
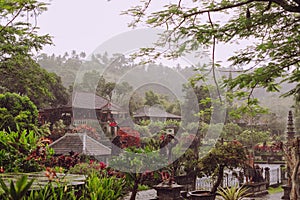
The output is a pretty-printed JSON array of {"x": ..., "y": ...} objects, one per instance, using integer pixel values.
[
  {"x": 290, "y": 128},
  {"x": 290, "y": 137},
  {"x": 267, "y": 176}
]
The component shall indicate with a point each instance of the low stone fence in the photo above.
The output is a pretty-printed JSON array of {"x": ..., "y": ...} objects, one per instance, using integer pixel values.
[
  {"x": 206, "y": 183},
  {"x": 42, "y": 178}
]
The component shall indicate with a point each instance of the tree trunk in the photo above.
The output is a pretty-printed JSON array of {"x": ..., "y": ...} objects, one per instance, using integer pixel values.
[
  {"x": 194, "y": 181},
  {"x": 135, "y": 189},
  {"x": 219, "y": 179},
  {"x": 295, "y": 182}
]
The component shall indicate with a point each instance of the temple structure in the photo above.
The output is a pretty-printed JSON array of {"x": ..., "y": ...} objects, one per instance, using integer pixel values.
[{"x": 85, "y": 108}]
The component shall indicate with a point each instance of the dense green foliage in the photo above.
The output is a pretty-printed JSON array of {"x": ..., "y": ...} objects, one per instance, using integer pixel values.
[
  {"x": 19, "y": 41},
  {"x": 17, "y": 112},
  {"x": 18, "y": 31},
  {"x": 103, "y": 187},
  {"x": 53, "y": 191},
  {"x": 250, "y": 138},
  {"x": 134, "y": 162},
  {"x": 228, "y": 155},
  {"x": 95, "y": 188},
  {"x": 24, "y": 76},
  {"x": 92, "y": 81},
  {"x": 15, "y": 149},
  {"x": 67, "y": 66}
]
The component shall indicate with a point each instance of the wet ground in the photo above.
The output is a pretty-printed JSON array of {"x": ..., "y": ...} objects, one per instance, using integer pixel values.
[{"x": 151, "y": 194}]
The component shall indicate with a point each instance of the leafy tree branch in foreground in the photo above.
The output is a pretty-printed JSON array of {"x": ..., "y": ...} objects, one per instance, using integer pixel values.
[{"x": 273, "y": 26}]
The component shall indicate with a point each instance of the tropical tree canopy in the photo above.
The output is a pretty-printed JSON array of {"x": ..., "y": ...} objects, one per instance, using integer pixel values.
[
  {"x": 224, "y": 155},
  {"x": 272, "y": 26},
  {"x": 18, "y": 30},
  {"x": 19, "y": 40},
  {"x": 24, "y": 76}
]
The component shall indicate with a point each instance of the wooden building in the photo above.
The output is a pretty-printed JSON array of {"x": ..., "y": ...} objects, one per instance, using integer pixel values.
[
  {"x": 154, "y": 114},
  {"x": 81, "y": 143},
  {"x": 84, "y": 108}
]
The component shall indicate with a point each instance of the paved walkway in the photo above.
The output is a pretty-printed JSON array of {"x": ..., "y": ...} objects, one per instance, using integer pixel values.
[
  {"x": 151, "y": 194},
  {"x": 143, "y": 195},
  {"x": 276, "y": 196}
]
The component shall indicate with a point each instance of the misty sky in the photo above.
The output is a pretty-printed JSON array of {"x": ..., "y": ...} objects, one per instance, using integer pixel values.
[{"x": 84, "y": 25}]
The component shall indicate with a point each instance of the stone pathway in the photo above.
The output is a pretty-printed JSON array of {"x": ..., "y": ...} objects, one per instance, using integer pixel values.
[
  {"x": 143, "y": 195},
  {"x": 151, "y": 194}
]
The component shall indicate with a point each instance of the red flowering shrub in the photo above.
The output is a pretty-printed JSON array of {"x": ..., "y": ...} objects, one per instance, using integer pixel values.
[
  {"x": 45, "y": 159},
  {"x": 94, "y": 167},
  {"x": 65, "y": 161},
  {"x": 129, "y": 137}
]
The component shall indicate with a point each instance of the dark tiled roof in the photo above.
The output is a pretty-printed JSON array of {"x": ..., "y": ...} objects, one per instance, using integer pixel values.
[
  {"x": 79, "y": 143},
  {"x": 112, "y": 107},
  {"x": 148, "y": 111},
  {"x": 88, "y": 100}
]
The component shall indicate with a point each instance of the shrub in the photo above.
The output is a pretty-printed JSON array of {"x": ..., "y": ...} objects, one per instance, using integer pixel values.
[
  {"x": 103, "y": 187},
  {"x": 89, "y": 168},
  {"x": 54, "y": 192},
  {"x": 17, "y": 112},
  {"x": 15, "y": 148}
]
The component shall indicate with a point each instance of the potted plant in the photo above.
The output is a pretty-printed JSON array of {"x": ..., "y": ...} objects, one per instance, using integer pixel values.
[
  {"x": 186, "y": 166},
  {"x": 225, "y": 155}
]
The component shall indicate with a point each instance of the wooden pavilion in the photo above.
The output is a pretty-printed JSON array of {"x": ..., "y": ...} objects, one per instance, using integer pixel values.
[
  {"x": 83, "y": 108},
  {"x": 154, "y": 114}
]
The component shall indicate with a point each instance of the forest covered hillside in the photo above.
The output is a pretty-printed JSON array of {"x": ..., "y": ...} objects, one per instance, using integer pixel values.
[{"x": 73, "y": 67}]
